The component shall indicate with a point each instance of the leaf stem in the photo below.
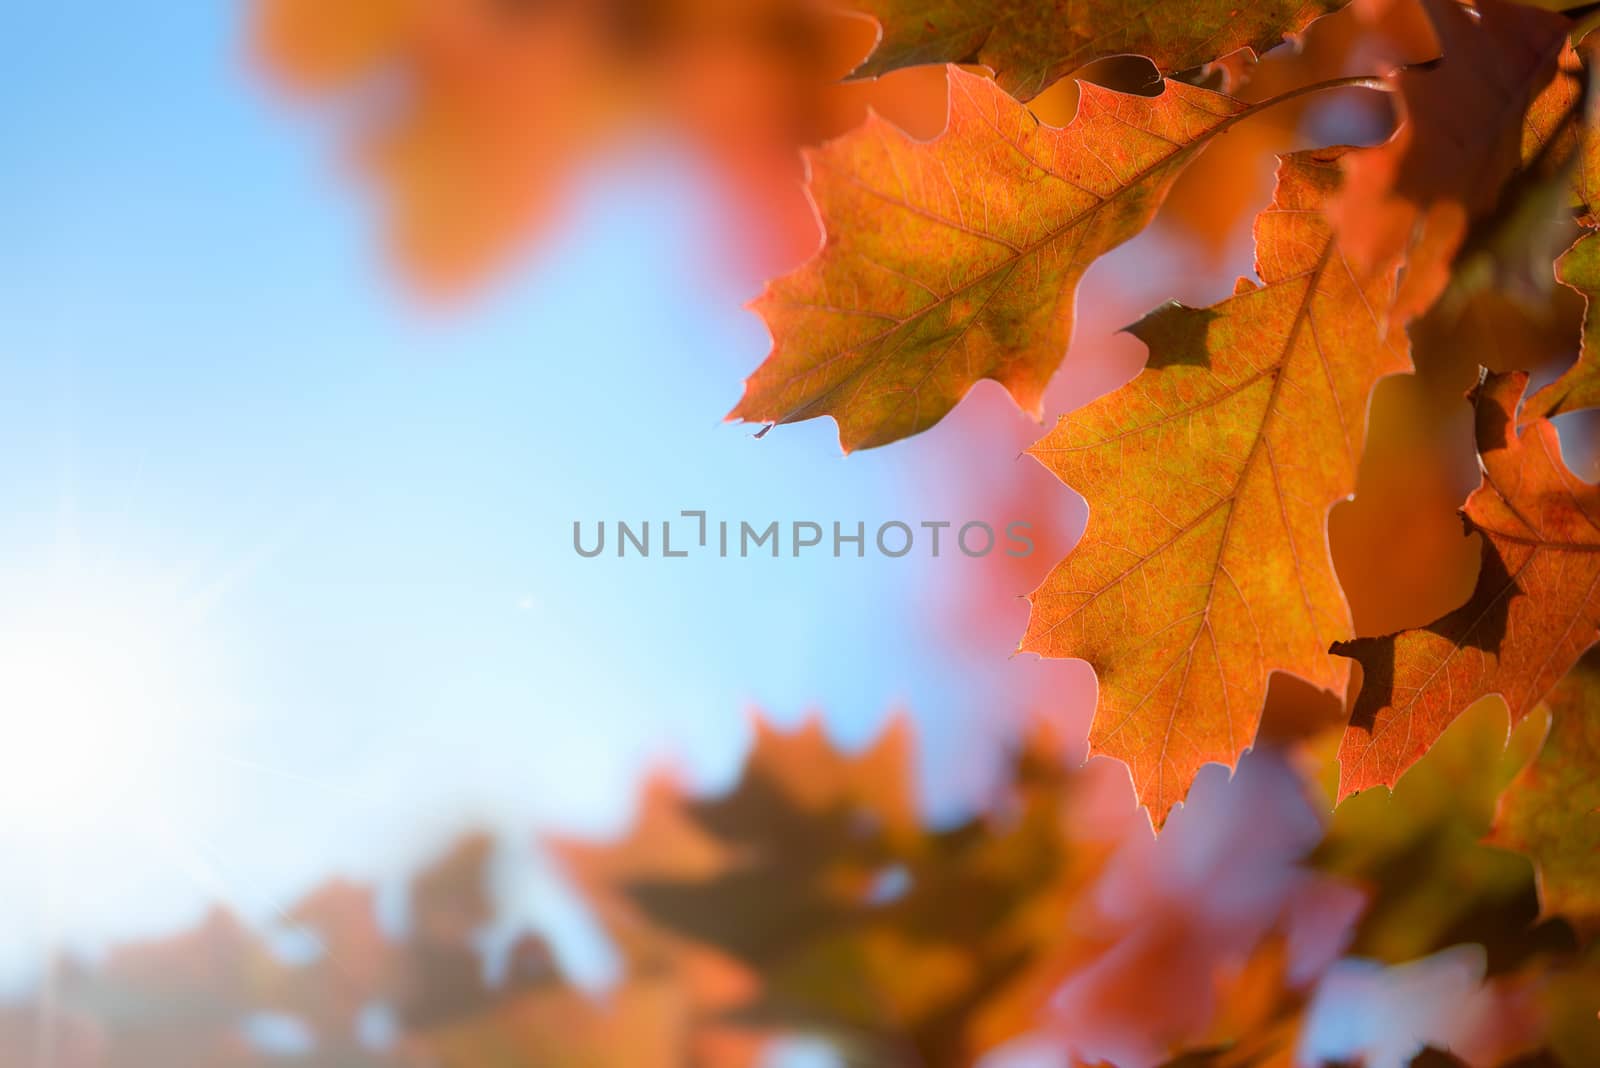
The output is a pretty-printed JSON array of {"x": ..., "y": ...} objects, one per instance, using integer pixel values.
[
  {"x": 1376, "y": 82},
  {"x": 1358, "y": 81}
]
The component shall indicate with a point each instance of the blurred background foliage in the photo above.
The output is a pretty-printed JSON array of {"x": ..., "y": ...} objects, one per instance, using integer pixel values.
[{"x": 824, "y": 907}]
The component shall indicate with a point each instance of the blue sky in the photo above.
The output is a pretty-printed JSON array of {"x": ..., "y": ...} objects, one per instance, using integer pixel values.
[{"x": 353, "y": 518}]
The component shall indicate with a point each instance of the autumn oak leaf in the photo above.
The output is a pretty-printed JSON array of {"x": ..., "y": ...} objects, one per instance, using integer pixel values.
[
  {"x": 957, "y": 259},
  {"x": 1535, "y": 609},
  {"x": 1209, "y": 477},
  {"x": 1029, "y": 44},
  {"x": 1551, "y": 812},
  {"x": 1205, "y": 563}
]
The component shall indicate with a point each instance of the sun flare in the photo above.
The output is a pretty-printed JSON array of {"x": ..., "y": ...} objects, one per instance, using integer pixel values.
[
  {"x": 78, "y": 722},
  {"x": 118, "y": 714},
  {"x": 87, "y": 708}
]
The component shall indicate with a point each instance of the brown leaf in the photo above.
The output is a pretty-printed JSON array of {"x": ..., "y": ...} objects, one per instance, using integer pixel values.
[
  {"x": 849, "y": 917},
  {"x": 1459, "y": 142}
]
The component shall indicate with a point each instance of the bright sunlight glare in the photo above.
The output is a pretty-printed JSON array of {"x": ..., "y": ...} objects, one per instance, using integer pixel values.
[
  {"x": 87, "y": 706},
  {"x": 118, "y": 724},
  {"x": 79, "y": 724}
]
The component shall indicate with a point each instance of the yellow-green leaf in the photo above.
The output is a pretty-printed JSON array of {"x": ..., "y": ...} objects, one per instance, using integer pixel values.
[{"x": 1552, "y": 811}]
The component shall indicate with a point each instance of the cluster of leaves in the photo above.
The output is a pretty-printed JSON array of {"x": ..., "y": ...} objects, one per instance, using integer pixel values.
[
  {"x": 331, "y": 987},
  {"x": 1209, "y": 477},
  {"x": 1205, "y": 571},
  {"x": 195, "y": 998},
  {"x": 812, "y": 899}
]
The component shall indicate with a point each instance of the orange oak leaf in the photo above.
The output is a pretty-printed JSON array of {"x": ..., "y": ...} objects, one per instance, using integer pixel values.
[
  {"x": 1551, "y": 812},
  {"x": 1030, "y": 44},
  {"x": 957, "y": 259},
  {"x": 1209, "y": 477},
  {"x": 1535, "y": 609},
  {"x": 1460, "y": 141}
]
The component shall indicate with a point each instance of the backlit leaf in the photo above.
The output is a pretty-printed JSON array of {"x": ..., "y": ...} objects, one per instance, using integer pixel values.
[
  {"x": 1535, "y": 609},
  {"x": 957, "y": 259},
  {"x": 1205, "y": 566}
]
